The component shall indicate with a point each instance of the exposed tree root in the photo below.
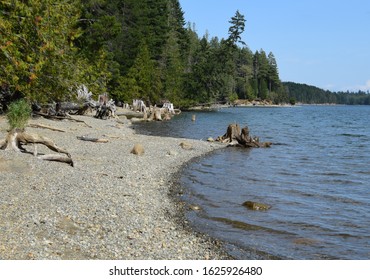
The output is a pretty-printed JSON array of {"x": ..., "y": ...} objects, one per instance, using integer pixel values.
[{"x": 16, "y": 138}]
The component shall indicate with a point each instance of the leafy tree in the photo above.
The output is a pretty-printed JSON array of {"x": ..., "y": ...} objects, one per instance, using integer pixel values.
[
  {"x": 37, "y": 47},
  {"x": 130, "y": 49}
]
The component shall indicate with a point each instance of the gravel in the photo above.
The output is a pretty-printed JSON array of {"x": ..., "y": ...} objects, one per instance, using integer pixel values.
[{"x": 111, "y": 205}]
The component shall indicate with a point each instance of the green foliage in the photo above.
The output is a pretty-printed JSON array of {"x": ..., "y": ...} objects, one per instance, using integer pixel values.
[
  {"x": 313, "y": 95},
  {"x": 18, "y": 114},
  {"x": 37, "y": 50},
  {"x": 233, "y": 97},
  {"x": 129, "y": 49},
  {"x": 143, "y": 80},
  {"x": 236, "y": 29}
]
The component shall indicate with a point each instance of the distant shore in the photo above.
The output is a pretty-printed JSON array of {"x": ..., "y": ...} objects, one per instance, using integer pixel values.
[
  {"x": 249, "y": 104},
  {"x": 111, "y": 205}
]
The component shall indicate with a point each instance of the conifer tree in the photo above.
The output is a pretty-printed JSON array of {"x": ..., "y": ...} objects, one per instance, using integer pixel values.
[{"x": 236, "y": 29}]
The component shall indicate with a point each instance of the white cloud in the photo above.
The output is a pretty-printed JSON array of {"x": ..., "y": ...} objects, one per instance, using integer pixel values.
[
  {"x": 363, "y": 87},
  {"x": 366, "y": 87}
]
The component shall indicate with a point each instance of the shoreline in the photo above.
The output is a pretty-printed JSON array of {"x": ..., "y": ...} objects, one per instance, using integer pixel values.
[{"x": 111, "y": 205}]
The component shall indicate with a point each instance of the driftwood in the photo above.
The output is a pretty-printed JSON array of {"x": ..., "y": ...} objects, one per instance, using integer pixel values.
[
  {"x": 16, "y": 138},
  {"x": 46, "y": 127},
  {"x": 159, "y": 114},
  {"x": 69, "y": 118},
  {"x": 91, "y": 139},
  {"x": 240, "y": 137},
  {"x": 104, "y": 108},
  {"x": 74, "y": 108}
]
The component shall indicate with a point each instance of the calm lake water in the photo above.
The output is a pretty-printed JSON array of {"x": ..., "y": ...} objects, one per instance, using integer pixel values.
[{"x": 316, "y": 177}]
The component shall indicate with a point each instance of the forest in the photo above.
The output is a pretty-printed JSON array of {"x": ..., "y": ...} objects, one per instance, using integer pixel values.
[
  {"x": 128, "y": 49},
  {"x": 307, "y": 94},
  {"x": 133, "y": 49}
]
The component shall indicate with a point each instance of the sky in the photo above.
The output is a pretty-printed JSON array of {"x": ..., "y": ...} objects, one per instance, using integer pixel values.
[{"x": 324, "y": 43}]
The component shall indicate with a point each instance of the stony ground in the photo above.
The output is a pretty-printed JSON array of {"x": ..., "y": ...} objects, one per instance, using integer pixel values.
[{"x": 111, "y": 205}]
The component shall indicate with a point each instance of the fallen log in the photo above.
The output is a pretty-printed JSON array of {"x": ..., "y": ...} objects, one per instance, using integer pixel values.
[
  {"x": 59, "y": 158},
  {"x": 74, "y": 108},
  {"x": 91, "y": 139}
]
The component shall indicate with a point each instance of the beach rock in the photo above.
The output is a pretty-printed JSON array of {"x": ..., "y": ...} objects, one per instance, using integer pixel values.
[
  {"x": 257, "y": 206},
  {"x": 305, "y": 241},
  {"x": 107, "y": 208},
  {"x": 210, "y": 139},
  {"x": 186, "y": 145},
  {"x": 194, "y": 207},
  {"x": 138, "y": 149},
  {"x": 172, "y": 153},
  {"x": 134, "y": 119}
]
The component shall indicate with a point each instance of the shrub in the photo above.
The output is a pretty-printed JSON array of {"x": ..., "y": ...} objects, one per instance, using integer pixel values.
[
  {"x": 292, "y": 101},
  {"x": 18, "y": 114}
]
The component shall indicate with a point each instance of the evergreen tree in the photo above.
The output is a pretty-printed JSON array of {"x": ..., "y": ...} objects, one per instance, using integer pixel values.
[
  {"x": 143, "y": 80},
  {"x": 261, "y": 71},
  {"x": 172, "y": 67},
  {"x": 236, "y": 29},
  {"x": 273, "y": 73}
]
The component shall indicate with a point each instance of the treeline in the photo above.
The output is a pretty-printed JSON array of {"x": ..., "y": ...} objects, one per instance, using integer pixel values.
[
  {"x": 307, "y": 94},
  {"x": 129, "y": 49}
]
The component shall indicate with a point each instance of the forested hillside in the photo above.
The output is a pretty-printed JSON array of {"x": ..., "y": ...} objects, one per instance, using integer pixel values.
[
  {"x": 129, "y": 49},
  {"x": 313, "y": 95}
]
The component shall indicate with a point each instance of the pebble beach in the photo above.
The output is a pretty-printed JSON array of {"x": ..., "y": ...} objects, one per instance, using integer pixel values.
[{"x": 112, "y": 204}]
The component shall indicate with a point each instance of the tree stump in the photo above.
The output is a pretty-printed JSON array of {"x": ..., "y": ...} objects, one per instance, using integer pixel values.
[
  {"x": 237, "y": 137},
  {"x": 232, "y": 132}
]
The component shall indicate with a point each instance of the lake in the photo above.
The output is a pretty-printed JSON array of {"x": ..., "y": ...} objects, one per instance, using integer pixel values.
[{"x": 315, "y": 177}]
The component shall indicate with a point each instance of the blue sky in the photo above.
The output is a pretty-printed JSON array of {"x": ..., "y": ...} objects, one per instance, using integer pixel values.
[{"x": 325, "y": 43}]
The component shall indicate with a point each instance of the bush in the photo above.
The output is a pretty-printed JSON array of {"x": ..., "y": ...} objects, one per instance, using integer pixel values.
[{"x": 18, "y": 114}]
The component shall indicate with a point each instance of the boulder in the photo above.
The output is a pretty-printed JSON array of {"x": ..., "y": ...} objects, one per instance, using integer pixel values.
[
  {"x": 186, "y": 145},
  {"x": 138, "y": 149},
  {"x": 257, "y": 206}
]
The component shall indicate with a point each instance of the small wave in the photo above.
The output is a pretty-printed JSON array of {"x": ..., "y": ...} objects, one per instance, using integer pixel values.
[
  {"x": 248, "y": 227},
  {"x": 340, "y": 199},
  {"x": 334, "y": 174},
  {"x": 352, "y": 135},
  {"x": 280, "y": 144},
  {"x": 342, "y": 182}
]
